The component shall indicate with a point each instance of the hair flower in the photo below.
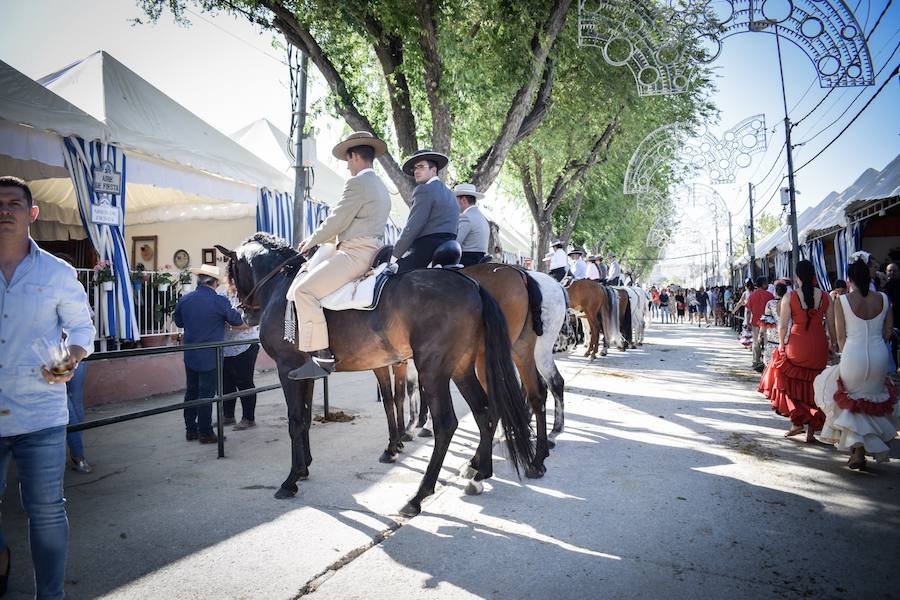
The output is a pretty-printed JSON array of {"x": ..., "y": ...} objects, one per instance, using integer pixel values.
[{"x": 860, "y": 255}]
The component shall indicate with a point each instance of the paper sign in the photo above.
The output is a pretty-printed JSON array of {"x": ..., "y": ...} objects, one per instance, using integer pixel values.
[{"x": 107, "y": 180}]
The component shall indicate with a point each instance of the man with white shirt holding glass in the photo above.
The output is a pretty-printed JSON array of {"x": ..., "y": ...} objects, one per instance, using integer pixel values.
[{"x": 40, "y": 299}]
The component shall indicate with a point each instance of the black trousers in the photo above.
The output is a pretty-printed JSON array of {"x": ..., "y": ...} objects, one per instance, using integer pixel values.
[
  {"x": 615, "y": 281},
  {"x": 471, "y": 258},
  {"x": 421, "y": 251},
  {"x": 237, "y": 375},
  {"x": 558, "y": 273}
]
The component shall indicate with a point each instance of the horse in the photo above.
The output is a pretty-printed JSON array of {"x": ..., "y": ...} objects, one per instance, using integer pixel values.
[
  {"x": 597, "y": 303},
  {"x": 626, "y": 326},
  {"x": 520, "y": 300},
  {"x": 554, "y": 306},
  {"x": 639, "y": 303},
  {"x": 443, "y": 318}
]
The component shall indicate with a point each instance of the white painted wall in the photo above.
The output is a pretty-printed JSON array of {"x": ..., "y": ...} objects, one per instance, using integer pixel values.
[{"x": 192, "y": 236}]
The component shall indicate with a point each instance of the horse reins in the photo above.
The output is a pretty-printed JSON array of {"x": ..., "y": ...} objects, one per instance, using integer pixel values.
[{"x": 245, "y": 304}]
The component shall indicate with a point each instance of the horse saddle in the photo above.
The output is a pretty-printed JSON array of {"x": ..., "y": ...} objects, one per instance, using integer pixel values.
[
  {"x": 447, "y": 256},
  {"x": 363, "y": 293}
]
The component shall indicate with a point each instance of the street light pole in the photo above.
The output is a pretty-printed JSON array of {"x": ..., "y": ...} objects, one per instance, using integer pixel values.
[
  {"x": 795, "y": 243},
  {"x": 752, "y": 249},
  {"x": 299, "y": 169}
]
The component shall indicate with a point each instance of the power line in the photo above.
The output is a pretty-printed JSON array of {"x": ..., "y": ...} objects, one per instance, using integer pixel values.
[
  {"x": 238, "y": 38},
  {"x": 853, "y": 120}
]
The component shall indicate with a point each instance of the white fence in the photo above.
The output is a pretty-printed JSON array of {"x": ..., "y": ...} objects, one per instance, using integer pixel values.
[{"x": 154, "y": 304}]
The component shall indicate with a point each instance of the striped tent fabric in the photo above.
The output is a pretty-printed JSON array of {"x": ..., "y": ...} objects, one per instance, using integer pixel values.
[
  {"x": 782, "y": 265},
  {"x": 275, "y": 214},
  {"x": 840, "y": 253},
  {"x": 391, "y": 232},
  {"x": 118, "y": 317},
  {"x": 314, "y": 213},
  {"x": 816, "y": 254}
]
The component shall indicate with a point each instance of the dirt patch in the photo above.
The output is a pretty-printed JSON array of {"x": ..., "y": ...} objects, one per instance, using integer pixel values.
[
  {"x": 334, "y": 417},
  {"x": 740, "y": 374},
  {"x": 618, "y": 374},
  {"x": 744, "y": 445}
]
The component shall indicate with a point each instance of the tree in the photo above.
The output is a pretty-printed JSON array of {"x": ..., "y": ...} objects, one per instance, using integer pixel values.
[
  {"x": 765, "y": 224},
  {"x": 473, "y": 78}
]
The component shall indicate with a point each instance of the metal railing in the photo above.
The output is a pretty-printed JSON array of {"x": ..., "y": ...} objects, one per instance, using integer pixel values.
[
  {"x": 220, "y": 397},
  {"x": 154, "y": 303}
]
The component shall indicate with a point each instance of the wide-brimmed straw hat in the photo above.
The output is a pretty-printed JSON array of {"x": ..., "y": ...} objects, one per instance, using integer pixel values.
[
  {"x": 578, "y": 251},
  {"x": 556, "y": 243},
  {"x": 467, "y": 189},
  {"x": 359, "y": 138},
  {"x": 437, "y": 157},
  {"x": 208, "y": 270},
  {"x": 611, "y": 255}
]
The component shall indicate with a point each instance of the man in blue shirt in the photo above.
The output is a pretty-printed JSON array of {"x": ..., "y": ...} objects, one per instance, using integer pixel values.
[
  {"x": 40, "y": 297},
  {"x": 203, "y": 314}
]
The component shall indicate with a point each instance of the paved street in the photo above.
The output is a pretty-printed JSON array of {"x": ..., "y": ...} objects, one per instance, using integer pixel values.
[{"x": 671, "y": 480}]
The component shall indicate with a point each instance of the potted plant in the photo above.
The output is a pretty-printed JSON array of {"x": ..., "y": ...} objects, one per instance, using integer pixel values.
[
  {"x": 103, "y": 275},
  {"x": 185, "y": 280},
  {"x": 138, "y": 277},
  {"x": 162, "y": 281}
]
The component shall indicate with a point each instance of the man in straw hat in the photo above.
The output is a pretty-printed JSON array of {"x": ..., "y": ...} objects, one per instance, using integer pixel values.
[
  {"x": 357, "y": 223},
  {"x": 557, "y": 259},
  {"x": 474, "y": 230},
  {"x": 434, "y": 214},
  {"x": 579, "y": 267},
  {"x": 203, "y": 314}
]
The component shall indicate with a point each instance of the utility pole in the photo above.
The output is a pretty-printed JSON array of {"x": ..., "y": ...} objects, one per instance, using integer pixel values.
[
  {"x": 795, "y": 242},
  {"x": 730, "y": 255},
  {"x": 299, "y": 170},
  {"x": 752, "y": 234}
]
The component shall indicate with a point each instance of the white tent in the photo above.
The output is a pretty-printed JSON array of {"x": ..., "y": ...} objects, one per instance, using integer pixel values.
[{"x": 178, "y": 165}]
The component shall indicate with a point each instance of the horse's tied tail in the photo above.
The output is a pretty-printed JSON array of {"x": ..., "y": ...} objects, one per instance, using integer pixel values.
[
  {"x": 535, "y": 299},
  {"x": 505, "y": 398}
]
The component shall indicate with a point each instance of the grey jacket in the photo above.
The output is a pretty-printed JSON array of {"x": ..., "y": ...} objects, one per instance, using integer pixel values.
[
  {"x": 474, "y": 231},
  {"x": 362, "y": 211},
  {"x": 434, "y": 210}
]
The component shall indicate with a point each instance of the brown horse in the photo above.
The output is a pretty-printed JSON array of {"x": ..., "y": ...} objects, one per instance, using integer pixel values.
[
  {"x": 442, "y": 317},
  {"x": 595, "y": 301},
  {"x": 519, "y": 299},
  {"x": 625, "y": 323}
]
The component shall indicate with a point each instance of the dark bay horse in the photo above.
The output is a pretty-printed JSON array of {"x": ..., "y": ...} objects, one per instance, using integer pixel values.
[{"x": 444, "y": 319}]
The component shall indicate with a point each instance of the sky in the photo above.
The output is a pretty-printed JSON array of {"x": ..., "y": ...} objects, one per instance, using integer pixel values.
[{"x": 226, "y": 71}]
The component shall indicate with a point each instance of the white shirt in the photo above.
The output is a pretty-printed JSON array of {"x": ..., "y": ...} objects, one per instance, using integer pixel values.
[
  {"x": 579, "y": 269},
  {"x": 366, "y": 170},
  {"x": 558, "y": 259},
  {"x": 614, "y": 269},
  {"x": 435, "y": 178},
  {"x": 592, "y": 271}
]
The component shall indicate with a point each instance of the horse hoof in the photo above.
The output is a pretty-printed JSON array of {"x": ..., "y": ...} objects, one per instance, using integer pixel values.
[
  {"x": 532, "y": 472},
  {"x": 467, "y": 471},
  {"x": 474, "y": 488},
  {"x": 588, "y": 353},
  {"x": 387, "y": 458},
  {"x": 284, "y": 494},
  {"x": 411, "y": 509},
  {"x": 551, "y": 444},
  {"x": 603, "y": 352},
  {"x": 425, "y": 433},
  {"x": 406, "y": 437}
]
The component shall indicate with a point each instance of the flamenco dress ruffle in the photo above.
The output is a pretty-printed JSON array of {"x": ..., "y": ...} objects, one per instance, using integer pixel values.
[
  {"x": 789, "y": 388},
  {"x": 852, "y": 422}
]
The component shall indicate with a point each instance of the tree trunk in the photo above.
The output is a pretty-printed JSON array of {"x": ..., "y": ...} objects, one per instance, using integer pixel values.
[{"x": 545, "y": 232}]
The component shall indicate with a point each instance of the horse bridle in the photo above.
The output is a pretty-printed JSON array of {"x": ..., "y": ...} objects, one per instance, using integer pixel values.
[{"x": 245, "y": 304}]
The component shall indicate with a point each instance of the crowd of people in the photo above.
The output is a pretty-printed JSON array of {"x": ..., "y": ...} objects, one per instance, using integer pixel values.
[
  {"x": 576, "y": 265},
  {"x": 675, "y": 304}
]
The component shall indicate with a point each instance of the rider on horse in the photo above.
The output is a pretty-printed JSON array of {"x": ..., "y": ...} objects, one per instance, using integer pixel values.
[
  {"x": 433, "y": 216},
  {"x": 474, "y": 230},
  {"x": 357, "y": 223}
]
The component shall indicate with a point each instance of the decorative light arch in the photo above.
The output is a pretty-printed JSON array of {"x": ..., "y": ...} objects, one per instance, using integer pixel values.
[
  {"x": 664, "y": 45},
  {"x": 660, "y": 148}
]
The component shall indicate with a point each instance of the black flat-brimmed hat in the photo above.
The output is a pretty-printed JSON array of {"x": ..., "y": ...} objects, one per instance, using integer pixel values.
[
  {"x": 440, "y": 159},
  {"x": 359, "y": 138}
]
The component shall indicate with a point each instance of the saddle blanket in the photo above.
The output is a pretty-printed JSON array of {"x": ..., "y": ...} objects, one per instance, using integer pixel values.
[{"x": 361, "y": 294}]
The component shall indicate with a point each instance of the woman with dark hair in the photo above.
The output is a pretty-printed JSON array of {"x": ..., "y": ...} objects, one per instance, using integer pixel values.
[
  {"x": 856, "y": 396},
  {"x": 770, "y": 321},
  {"x": 788, "y": 379}
]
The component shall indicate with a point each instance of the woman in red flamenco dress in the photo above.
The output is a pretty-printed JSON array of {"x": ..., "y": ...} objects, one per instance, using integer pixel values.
[{"x": 788, "y": 380}]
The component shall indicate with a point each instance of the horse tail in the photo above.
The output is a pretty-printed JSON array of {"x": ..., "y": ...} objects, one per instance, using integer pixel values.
[
  {"x": 505, "y": 398},
  {"x": 535, "y": 300},
  {"x": 627, "y": 332}
]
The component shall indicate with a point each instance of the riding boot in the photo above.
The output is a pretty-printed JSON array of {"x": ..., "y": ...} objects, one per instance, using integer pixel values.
[{"x": 319, "y": 365}]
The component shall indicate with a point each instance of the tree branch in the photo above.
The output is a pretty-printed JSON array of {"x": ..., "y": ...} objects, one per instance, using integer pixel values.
[
  {"x": 389, "y": 50},
  {"x": 573, "y": 217},
  {"x": 440, "y": 112},
  {"x": 286, "y": 22},
  {"x": 530, "y": 197},
  {"x": 541, "y": 105},
  {"x": 488, "y": 166}
]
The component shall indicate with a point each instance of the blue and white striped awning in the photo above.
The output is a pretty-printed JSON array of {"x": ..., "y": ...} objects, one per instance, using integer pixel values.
[{"x": 275, "y": 214}]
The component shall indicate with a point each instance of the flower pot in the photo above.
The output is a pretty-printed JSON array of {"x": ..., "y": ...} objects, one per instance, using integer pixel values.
[
  {"x": 187, "y": 287},
  {"x": 107, "y": 286},
  {"x": 138, "y": 285},
  {"x": 163, "y": 287},
  {"x": 152, "y": 341}
]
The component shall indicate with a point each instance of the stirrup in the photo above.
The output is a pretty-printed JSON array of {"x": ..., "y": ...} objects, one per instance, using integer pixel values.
[{"x": 311, "y": 369}]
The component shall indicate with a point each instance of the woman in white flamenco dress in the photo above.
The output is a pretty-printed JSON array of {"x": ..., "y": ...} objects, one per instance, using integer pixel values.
[{"x": 859, "y": 401}]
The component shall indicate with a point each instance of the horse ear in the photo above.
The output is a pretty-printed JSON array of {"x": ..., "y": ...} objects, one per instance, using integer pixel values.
[{"x": 229, "y": 253}]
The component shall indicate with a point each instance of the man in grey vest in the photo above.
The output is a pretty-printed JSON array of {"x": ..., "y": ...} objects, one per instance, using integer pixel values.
[
  {"x": 474, "y": 230},
  {"x": 357, "y": 224},
  {"x": 433, "y": 216}
]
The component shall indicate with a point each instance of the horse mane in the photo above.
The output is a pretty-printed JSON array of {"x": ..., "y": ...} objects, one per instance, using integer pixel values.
[{"x": 276, "y": 246}]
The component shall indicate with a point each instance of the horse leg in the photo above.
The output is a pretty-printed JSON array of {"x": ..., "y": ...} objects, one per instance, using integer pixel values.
[
  {"x": 481, "y": 466},
  {"x": 536, "y": 394},
  {"x": 444, "y": 421},
  {"x": 557, "y": 385},
  {"x": 411, "y": 385},
  {"x": 595, "y": 336},
  {"x": 297, "y": 395},
  {"x": 424, "y": 432},
  {"x": 400, "y": 376},
  {"x": 383, "y": 374}
]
